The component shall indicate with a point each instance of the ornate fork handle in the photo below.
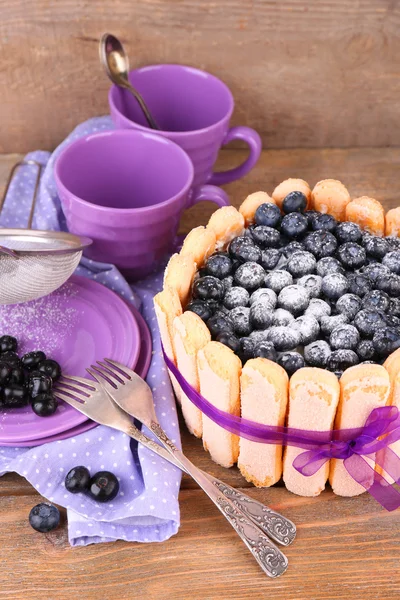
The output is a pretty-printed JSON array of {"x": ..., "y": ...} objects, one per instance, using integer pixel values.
[
  {"x": 269, "y": 557},
  {"x": 273, "y": 524}
]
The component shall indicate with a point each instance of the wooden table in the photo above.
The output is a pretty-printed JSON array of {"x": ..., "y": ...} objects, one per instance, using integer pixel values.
[{"x": 345, "y": 549}]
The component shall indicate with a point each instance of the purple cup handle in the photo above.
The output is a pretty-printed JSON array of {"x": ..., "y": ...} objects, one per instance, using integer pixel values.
[
  {"x": 209, "y": 193},
  {"x": 253, "y": 140}
]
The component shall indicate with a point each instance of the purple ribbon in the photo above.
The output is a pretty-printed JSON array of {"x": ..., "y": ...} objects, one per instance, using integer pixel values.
[{"x": 381, "y": 429}]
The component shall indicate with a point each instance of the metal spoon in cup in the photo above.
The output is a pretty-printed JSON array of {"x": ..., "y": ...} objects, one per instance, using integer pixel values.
[{"x": 116, "y": 64}]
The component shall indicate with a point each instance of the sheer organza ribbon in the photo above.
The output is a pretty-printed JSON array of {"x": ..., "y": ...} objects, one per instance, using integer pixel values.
[{"x": 381, "y": 429}]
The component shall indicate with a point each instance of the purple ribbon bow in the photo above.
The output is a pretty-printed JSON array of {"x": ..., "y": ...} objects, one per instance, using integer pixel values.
[{"x": 381, "y": 429}]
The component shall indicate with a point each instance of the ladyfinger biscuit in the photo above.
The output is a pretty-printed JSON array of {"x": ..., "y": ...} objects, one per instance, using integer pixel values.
[
  {"x": 291, "y": 185},
  {"x": 249, "y": 206},
  {"x": 313, "y": 400},
  {"x": 368, "y": 214},
  {"x": 392, "y": 366},
  {"x": 190, "y": 334},
  {"x": 362, "y": 388},
  {"x": 263, "y": 397},
  {"x": 219, "y": 373},
  {"x": 179, "y": 275},
  {"x": 331, "y": 196},
  {"x": 392, "y": 222},
  {"x": 227, "y": 223},
  {"x": 200, "y": 243}
]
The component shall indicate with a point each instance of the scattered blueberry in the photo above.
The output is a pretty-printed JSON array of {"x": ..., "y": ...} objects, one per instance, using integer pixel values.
[
  {"x": 230, "y": 340},
  {"x": 219, "y": 265},
  {"x": 352, "y": 255},
  {"x": 320, "y": 243},
  {"x": 8, "y": 343},
  {"x": 266, "y": 237},
  {"x": 340, "y": 360},
  {"x": 265, "y": 349},
  {"x": 44, "y": 517},
  {"x": 31, "y": 361},
  {"x": 294, "y": 298},
  {"x": 334, "y": 285},
  {"x": 348, "y": 232},
  {"x": 77, "y": 480},
  {"x": 278, "y": 280},
  {"x": 44, "y": 404},
  {"x": 349, "y": 305},
  {"x": 103, "y": 486},
  {"x": 317, "y": 353},
  {"x": 284, "y": 338},
  {"x": 294, "y": 202},
  {"x": 294, "y": 225},
  {"x": 291, "y": 362},
  {"x": 328, "y": 265},
  {"x": 268, "y": 214},
  {"x": 282, "y": 317},
  {"x": 236, "y": 296},
  {"x": 200, "y": 308},
  {"x": 301, "y": 263},
  {"x": 344, "y": 336},
  {"x": 323, "y": 222}
]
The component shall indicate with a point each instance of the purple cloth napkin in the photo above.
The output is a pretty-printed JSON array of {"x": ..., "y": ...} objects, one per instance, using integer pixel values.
[{"x": 146, "y": 509}]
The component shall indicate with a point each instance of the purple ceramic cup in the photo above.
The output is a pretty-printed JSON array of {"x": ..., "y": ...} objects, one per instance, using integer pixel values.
[
  {"x": 126, "y": 190},
  {"x": 193, "y": 109}
]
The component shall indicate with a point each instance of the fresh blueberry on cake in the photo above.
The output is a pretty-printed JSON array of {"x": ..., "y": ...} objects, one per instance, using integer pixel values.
[{"x": 295, "y": 314}]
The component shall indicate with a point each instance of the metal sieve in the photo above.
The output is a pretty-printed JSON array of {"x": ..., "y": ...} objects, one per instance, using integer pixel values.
[{"x": 34, "y": 263}]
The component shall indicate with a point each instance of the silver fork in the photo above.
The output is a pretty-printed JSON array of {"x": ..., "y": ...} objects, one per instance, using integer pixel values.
[{"x": 134, "y": 396}]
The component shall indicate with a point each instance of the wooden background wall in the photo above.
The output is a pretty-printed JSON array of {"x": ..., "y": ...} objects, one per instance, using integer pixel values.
[{"x": 304, "y": 72}]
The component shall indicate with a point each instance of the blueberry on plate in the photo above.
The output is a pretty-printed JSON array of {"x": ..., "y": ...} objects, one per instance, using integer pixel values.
[
  {"x": 376, "y": 300},
  {"x": 270, "y": 258},
  {"x": 15, "y": 396},
  {"x": 219, "y": 265},
  {"x": 219, "y": 323},
  {"x": 349, "y": 305},
  {"x": 301, "y": 263},
  {"x": 208, "y": 288},
  {"x": 268, "y": 214},
  {"x": 5, "y": 372},
  {"x": 250, "y": 275},
  {"x": 261, "y": 314},
  {"x": 334, "y": 285},
  {"x": 294, "y": 225},
  {"x": 240, "y": 317},
  {"x": 369, "y": 321},
  {"x": 44, "y": 404},
  {"x": 342, "y": 359},
  {"x": 392, "y": 261},
  {"x": 10, "y": 358},
  {"x": 103, "y": 486},
  {"x": 365, "y": 350},
  {"x": 291, "y": 362},
  {"x": 51, "y": 368},
  {"x": 77, "y": 480},
  {"x": 359, "y": 284},
  {"x": 344, "y": 337},
  {"x": 236, "y": 296},
  {"x": 278, "y": 280},
  {"x": 17, "y": 375},
  {"x": 352, "y": 255},
  {"x": 230, "y": 340},
  {"x": 348, "y": 232},
  {"x": 317, "y": 353},
  {"x": 320, "y": 243},
  {"x": 376, "y": 247},
  {"x": 294, "y": 202},
  {"x": 39, "y": 383},
  {"x": 44, "y": 517},
  {"x": 266, "y": 237},
  {"x": 386, "y": 341},
  {"x": 31, "y": 360},
  {"x": 265, "y": 349},
  {"x": 323, "y": 222},
  {"x": 328, "y": 265},
  {"x": 8, "y": 343},
  {"x": 201, "y": 308}
]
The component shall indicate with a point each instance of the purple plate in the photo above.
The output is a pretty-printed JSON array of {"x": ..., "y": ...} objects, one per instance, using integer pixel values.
[
  {"x": 141, "y": 369},
  {"x": 77, "y": 325}
]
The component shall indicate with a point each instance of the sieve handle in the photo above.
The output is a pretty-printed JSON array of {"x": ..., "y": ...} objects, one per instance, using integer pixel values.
[{"x": 37, "y": 181}]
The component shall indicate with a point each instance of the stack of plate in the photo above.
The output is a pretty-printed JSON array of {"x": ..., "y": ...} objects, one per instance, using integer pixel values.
[{"x": 77, "y": 325}]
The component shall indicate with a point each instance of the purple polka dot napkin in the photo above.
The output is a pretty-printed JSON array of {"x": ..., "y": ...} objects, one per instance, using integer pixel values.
[{"x": 146, "y": 508}]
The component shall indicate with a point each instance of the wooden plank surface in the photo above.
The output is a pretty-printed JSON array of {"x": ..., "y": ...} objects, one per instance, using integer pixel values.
[
  {"x": 346, "y": 549},
  {"x": 316, "y": 73}
]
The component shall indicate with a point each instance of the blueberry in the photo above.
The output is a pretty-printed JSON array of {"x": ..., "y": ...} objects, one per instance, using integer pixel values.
[
  {"x": 349, "y": 305},
  {"x": 375, "y": 246},
  {"x": 392, "y": 321},
  {"x": 301, "y": 263},
  {"x": 311, "y": 214},
  {"x": 219, "y": 323},
  {"x": 227, "y": 282},
  {"x": 201, "y": 308},
  {"x": 348, "y": 232},
  {"x": 250, "y": 275},
  {"x": 376, "y": 300},
  {"x": 291, "y": 362},
  {"x": 292, "y": 247},
  {"x": 8, "y": 343},
  {"x": 246, "y": 252},
  {"x": 10, "y": 358},
  {"x": 236, "y": 296},
  {"x": 259, "y": 335},
  {"x": 386, "y": 341},
  {"x": 282, "y": 317},
  {"x": 44, "y": 405},
  {"x": 265, "y": 349},
  {"x": 352, "y": 255},
  {"x": 278, "y": 280},
  {"x": 334, "y": 285},
  {"x": 294, "y": 298},
  {"x": 308, "y": 328},
  {"x": 375, "y": 270},
  {"x": 320, "y": 243},
  {"x": 392, "y": 261},
  {"x": 312, "y": 283},
  {"x": 260, "y": 315},
  {"x": 15, "y": 396},
  {"x": 208, "y": 288},
  {"x": 77, "y": 480},
  {"x": 264, "y": 295},
  {"x": 323, "y": 222},
  {"x": 284, "y": 338},
  {"x": 31, "y": 360},
  {"x": 39, "y": 383},
  {"x": 103, "y": 486},
  {"x": 394, "y": 243},
  {"x": 394, "y": 307},
  {"x": 369, "y": 321},
  {"x": 44, "y": 517},
  {"x": 269, "y": 258},
  {"x": 268, "y": 214},
  {"x": 237, "y": 242},
  {"x": 328, "y": 324},
  {"x": 318, "y": 308},
  {"x": 294, "y": 202},
  {"x": 317, "y": 354},
  {"x": 219, "y": 265},
  {"x": 365, "y": 350},
  {"x": 294, "y": 225},
  {"x": 345, "y": 336},
  {"x": 359, "y": 284},
  {"x": 246, "y": 351},
  {"x": 230, "y": 340},
  {"x": 17, "y": 375},
  {"x": 340, "y": 360},
  {"x": 390, "y": 285},
  {"x": 240, "y": 317},
  {"x": 51, "y": 368},
  {"x": 5, "y": 372},
  {"x": 328, "y": 265},
  {"x": 266, "y": 237}
]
